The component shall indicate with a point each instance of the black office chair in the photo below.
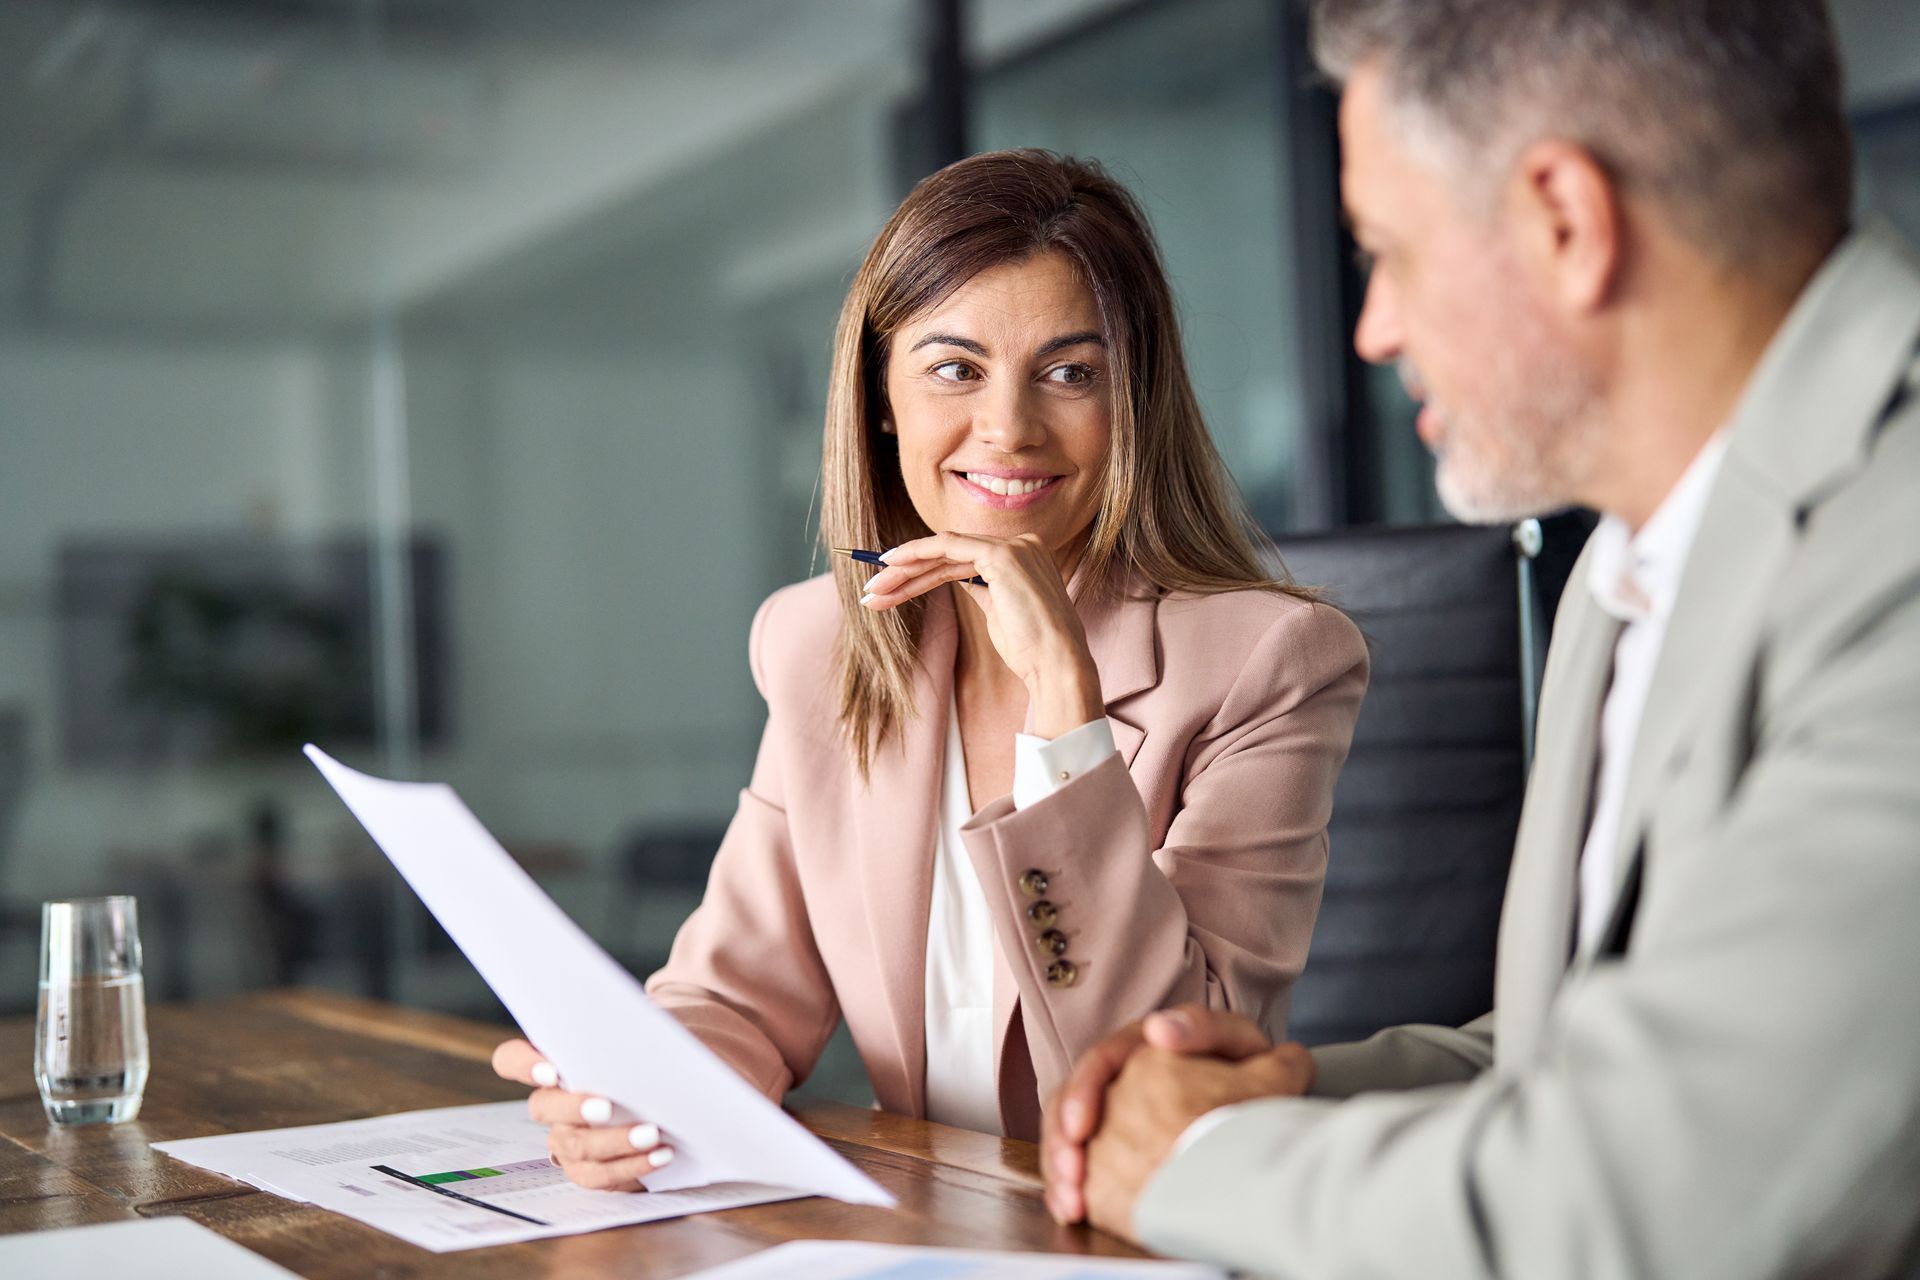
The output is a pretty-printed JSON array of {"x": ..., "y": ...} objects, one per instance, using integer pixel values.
[
  {"x": 1426, "y": 808},
  {"x": 664, "y": 872}
]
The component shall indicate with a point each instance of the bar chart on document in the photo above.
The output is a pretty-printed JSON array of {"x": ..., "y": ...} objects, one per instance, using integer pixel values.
[
  {"x": 534, "y": 1191},
  {"x": 538, "y": 1192}
]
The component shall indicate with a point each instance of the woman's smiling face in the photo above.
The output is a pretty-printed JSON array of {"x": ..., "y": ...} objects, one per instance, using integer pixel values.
[{"x": 1001, "y": 399}]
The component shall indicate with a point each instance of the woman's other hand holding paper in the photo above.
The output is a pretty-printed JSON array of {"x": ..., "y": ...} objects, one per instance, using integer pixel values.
[{"x": 581, "y": 1136}]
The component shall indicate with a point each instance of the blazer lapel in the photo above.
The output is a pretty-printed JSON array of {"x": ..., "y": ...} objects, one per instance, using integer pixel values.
[
  {"x": 1743, "y": 540},
  {"x": 896, "y": 827},
  {"x": 1124, "y": 642},
  {"x": 1536, "y": 919}
]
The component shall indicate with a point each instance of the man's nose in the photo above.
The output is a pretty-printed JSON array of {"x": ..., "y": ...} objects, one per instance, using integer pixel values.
[{"x": 1377, "y": 337}]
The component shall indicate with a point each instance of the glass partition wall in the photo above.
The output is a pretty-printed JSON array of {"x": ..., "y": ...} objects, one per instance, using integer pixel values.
[{"x": 439, "y": 382}]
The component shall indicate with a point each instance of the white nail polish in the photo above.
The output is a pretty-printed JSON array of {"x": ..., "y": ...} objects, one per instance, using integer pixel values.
[
  {"x": 886, "y": 557},
  {"x": 867, "y": 598},
  {"x": 544, "y": 1075},
  {"x": 596, "y": 1111},
  {"x": 644, "y": 1137},
  {"x": 660, "y": 1156}
]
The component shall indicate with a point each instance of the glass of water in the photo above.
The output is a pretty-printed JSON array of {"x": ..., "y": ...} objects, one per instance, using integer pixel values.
[{"x": 90, "y": 1048}]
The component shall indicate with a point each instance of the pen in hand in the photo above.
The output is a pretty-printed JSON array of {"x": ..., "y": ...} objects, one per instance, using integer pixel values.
[{"x": 873, "y": 558}]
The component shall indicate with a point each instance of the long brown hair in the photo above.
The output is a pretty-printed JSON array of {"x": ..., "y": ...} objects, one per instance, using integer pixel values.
[{"x": 1171, "y": 516}]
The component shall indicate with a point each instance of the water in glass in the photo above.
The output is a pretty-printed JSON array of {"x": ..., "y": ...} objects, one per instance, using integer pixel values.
[{"x": 90, "y": 1047}]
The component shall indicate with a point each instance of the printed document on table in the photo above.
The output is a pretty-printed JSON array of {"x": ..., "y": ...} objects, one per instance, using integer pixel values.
[
  {"x": 847, "y": 1260},
  {"x": 451, "y": 1178},
  {"x": 587, "y": 1014}
]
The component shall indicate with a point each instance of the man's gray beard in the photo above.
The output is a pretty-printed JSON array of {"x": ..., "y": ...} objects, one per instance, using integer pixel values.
[
  {"x": 1539, "y": 480},
  {"x": 1496, "y": 507}
]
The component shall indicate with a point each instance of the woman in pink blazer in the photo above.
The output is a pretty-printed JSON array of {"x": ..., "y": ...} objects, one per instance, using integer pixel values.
[{"x": 1069, "y": 757}]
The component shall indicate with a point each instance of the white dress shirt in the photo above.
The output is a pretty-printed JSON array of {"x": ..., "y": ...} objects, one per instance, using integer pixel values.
[
  {"x": 962, "y": 1081},
  {"x": 1635, "y": 577}
]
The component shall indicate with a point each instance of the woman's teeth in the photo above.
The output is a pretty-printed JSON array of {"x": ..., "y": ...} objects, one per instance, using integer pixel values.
[{"x": 1014, "y": 488}]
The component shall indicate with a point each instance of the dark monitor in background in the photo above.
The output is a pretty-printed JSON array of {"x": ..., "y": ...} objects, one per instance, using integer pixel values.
[{"x": 228, "y": 647}]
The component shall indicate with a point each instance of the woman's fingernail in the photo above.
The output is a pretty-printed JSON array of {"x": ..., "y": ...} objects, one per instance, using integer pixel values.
[
  {"x": 886, "y": 557},
  {"x": 660, "y": 1156},
  {"x": 867, "y": 598},
  {"x": 544, "y": 1075},
  {"x": 644, "y": 1136},
  {"x": 596, "y": 1111}
]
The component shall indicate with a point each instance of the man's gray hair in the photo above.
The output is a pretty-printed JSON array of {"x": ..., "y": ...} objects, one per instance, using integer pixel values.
[{"x": 1728, "y": 112}]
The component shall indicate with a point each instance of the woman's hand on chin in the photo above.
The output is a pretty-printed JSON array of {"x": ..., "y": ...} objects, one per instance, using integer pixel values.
[
  {"x": 1030, "y": 618},
  {"x": 582, "y": 1137}
]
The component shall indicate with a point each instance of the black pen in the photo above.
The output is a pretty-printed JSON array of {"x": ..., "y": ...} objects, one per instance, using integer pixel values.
[{"x": 873, "y": 558}]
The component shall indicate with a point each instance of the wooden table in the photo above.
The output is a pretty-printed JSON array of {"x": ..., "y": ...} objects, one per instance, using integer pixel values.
[{"x": 284, "y": 1058}]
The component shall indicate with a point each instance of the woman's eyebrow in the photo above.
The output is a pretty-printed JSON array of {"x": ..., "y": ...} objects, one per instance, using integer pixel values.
[
  {"x": 1070, "y": 340},
  {"x": 949, "y": 340}
]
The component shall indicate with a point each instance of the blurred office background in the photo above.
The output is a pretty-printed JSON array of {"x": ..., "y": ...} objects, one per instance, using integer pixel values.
[{"x": 441, "y": 381}]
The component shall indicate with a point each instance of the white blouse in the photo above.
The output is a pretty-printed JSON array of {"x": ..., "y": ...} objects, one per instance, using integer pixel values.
[{"x": 962, "y": 1082}]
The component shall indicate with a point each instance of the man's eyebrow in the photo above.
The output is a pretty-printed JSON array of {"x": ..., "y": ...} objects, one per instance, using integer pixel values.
[
  {"x": 1064, "y": 341},
  {"x": 949, "y": 340}
]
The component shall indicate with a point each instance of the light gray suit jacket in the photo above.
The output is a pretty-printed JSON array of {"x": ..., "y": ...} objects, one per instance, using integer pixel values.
[{"x": 1728, "y": 1085}]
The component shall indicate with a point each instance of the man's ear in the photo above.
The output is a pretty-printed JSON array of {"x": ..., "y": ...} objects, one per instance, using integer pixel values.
[{"x": 1567, "y": 209}]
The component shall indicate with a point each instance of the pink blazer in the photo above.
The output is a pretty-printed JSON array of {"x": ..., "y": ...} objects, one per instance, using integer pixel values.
[{"x": 1186, "y": 870}]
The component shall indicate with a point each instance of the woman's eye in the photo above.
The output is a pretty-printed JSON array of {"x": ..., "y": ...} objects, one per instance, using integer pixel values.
[
  {"x": 956, "y": 371},
  {"x": 1071, "y": 375}
]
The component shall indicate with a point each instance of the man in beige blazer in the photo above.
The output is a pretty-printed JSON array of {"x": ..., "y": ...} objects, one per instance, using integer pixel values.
[{"x": 1612, "y": 254}]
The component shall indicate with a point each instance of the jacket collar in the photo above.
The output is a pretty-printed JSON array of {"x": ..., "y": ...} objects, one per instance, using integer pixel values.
[{"x": 1815, "y": 399}]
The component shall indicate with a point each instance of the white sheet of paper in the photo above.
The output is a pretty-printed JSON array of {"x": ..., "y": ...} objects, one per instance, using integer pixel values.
[
  {"x": 587, "y": 1014},
  {"x": 340, "y": 1167},
  {"x": 849, "y": 1260},
  {"x": 152, "y": 1248}
]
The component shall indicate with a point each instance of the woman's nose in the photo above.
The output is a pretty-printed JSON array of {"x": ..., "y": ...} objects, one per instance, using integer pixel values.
[{"x": 1010, "y": 422}]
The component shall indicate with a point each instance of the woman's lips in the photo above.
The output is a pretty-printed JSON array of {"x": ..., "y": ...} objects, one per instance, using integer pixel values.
[{"x": 1005, "y": 501}]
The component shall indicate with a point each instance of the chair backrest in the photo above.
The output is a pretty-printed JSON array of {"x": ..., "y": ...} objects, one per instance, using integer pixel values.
[
  {"x": 678, "y": 855},
  {"x": 1426, "y": 808}
]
